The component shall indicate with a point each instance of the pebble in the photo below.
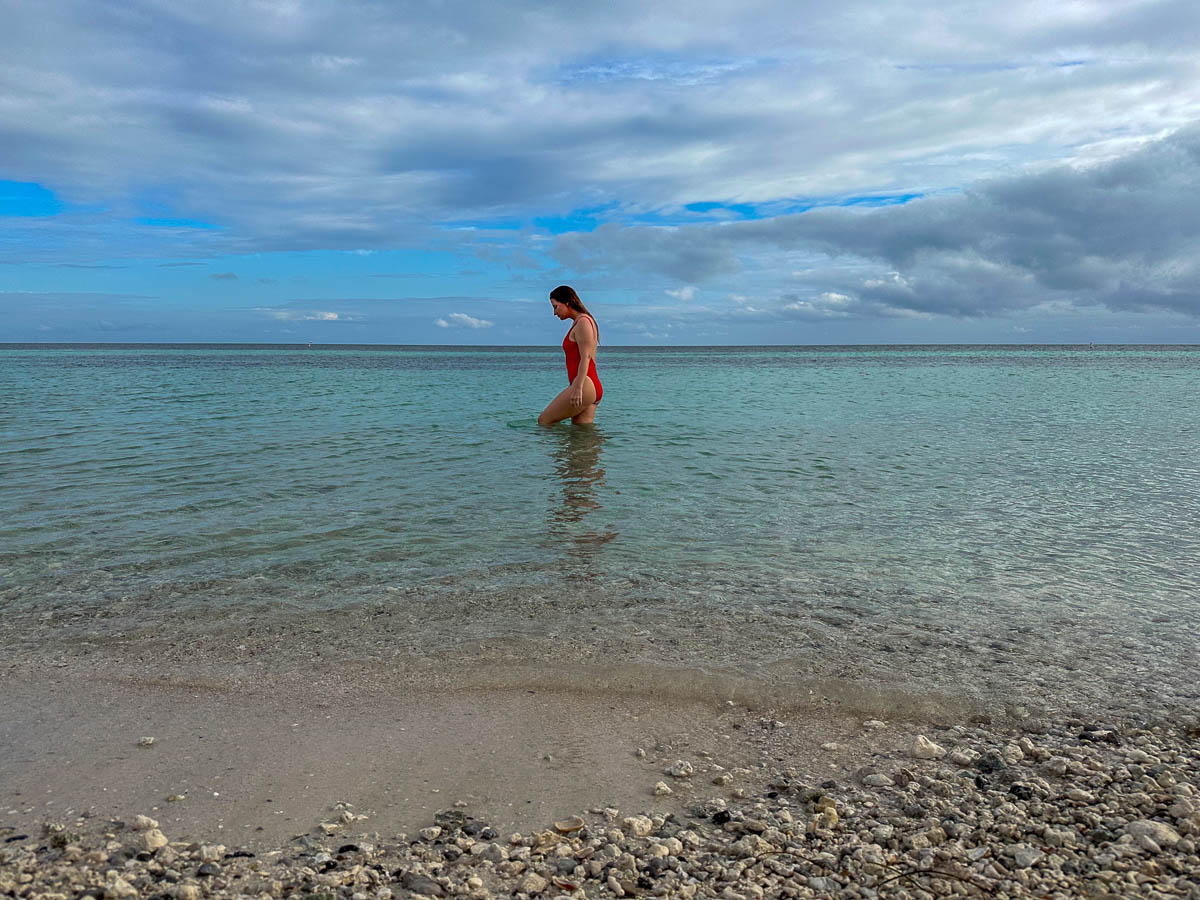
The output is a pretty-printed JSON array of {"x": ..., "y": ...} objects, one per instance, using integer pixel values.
[
  {"x": 963, "y": 757},
  {"x": 534, "y": 883},
  {"x": 1162, "y": 834},
  {"x": 1027, "y": 856},
  {"x": 638, "y": 826},
  {"x": 681, "y": 769},
  {"x": 924, "y": 748},
  {"x": 1115, "y": 825},
  {"x": 662, "y": 789},
  {"x": 153, "y": 839}
]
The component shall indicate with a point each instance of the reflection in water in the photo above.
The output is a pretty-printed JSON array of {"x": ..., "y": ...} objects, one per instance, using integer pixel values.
[{"x": 577, "y": 453}]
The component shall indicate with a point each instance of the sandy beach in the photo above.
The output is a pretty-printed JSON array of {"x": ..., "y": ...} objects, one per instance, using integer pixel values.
[
  {"x": 288, "y": 758},
  {"x": 263, "y": 755}
]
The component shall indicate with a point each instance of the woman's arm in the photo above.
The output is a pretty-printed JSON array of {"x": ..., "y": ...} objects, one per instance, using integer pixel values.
[{"x": 585, "y": 340}]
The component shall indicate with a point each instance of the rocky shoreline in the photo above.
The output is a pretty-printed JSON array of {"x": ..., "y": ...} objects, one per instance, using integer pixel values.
[{"x": 1070, "y": 810}]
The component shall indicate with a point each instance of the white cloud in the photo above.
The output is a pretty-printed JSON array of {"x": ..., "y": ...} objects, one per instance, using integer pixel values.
[
  {"x": 462, "y": 320},
  {"x": 684, "y": 293},
  {"x": 294, "y": 315}
]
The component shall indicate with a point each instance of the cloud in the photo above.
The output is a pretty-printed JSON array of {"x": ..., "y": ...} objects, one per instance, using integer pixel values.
[
  {"x": 295, "y": 315},
  {"x": 684, "y": 293},
  {"x": 461, "y": 320},
  {"x": 1123, "y": 234},
  {"x": 320, "y": 126},
  {"x": 224, "y": 276}
]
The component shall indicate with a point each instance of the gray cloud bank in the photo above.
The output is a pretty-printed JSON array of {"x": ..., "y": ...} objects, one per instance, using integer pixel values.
[
  {"x": 1123, "y": 234},
  {"x": 322, "y": 124}
]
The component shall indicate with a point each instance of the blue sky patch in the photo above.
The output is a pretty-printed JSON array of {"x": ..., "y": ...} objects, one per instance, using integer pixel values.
[
  {"x": 878, "y": 200},
  {"x": 174, "y": 223},
  {"x": 26, "y": 198}
]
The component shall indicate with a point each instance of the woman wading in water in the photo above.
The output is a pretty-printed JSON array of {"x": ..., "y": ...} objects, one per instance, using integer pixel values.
[{"x": 578, "y": 401}]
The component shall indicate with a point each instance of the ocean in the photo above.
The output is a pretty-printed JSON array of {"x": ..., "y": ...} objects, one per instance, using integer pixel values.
[{"x": 1019, "y": 525}]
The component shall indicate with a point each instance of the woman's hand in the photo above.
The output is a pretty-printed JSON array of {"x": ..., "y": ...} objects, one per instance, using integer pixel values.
[{"x": 575, "y": 394}]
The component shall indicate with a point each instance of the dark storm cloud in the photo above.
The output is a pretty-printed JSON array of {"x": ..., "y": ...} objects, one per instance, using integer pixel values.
[{"x": 1124, "y": 234}]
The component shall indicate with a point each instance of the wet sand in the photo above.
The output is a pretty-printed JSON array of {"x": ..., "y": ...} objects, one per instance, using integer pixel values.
[
  {"x": 259, "y": 763},
  {"x": 262, "y": 726}
]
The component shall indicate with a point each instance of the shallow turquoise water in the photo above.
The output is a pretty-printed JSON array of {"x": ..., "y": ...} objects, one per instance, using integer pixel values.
[{"x": 1024, "y": 485}]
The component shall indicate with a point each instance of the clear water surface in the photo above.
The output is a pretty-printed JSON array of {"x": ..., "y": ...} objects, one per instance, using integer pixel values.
[{"x": 968, "y": 489}]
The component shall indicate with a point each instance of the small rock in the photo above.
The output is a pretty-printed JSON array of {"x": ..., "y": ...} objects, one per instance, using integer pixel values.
[
  {"x": 1162, "y": 834},
  {"x": 143, "y": 823},
  {"x": 877, "y": 780},
  {"x": 681, "y": 769},
  {"x": 421, "y": 884},
  {"x": 1181, "y": 809},
  {"x": 991, "y": 762},
  {"x": 662, "y": 790},
  {"x": 533, "y": 883},
  {"x": 1055, "y": 766},
  {"x": 1027, "y": 856},
  {"x": 144, "y": 742},
  {"x": 639, "y": 826},
  {"x": 924, "y": 748},
  {"x": 1012, "y": 754},
  {"x": 491, "y": 852},
  {"x": 1147, "y": 843},
  {"x": 116, "y": 886},
  {"x": 431, "y": 833},
  {"x": 825, "y": 820},
  {"x": 153, "y": 839},
  {"x": 963, "y": 757}
]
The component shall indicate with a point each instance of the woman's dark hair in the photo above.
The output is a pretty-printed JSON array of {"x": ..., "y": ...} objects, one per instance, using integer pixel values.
[{"x": 566, "y": 295}]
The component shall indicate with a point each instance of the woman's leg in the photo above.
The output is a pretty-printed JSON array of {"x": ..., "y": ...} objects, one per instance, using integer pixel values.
[
  {"x": 560, "y": 408},
  {"x": 587, "y": 417}
]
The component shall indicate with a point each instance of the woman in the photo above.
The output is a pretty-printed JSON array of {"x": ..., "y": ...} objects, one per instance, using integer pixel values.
[{"x": 578, "y": 401}]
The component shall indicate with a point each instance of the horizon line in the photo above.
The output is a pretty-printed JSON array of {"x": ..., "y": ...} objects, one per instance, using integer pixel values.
[{"x": 314, "y": 345}]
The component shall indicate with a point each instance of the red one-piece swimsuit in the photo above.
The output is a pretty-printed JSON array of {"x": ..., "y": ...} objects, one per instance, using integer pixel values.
[{"x": 571, "y": 349}]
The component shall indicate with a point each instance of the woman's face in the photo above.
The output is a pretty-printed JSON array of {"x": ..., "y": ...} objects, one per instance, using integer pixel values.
[{"x": 560, "y": 309}]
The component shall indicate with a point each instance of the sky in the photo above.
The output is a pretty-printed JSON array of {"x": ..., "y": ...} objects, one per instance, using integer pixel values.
[{"x": 760, "y": 172}]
